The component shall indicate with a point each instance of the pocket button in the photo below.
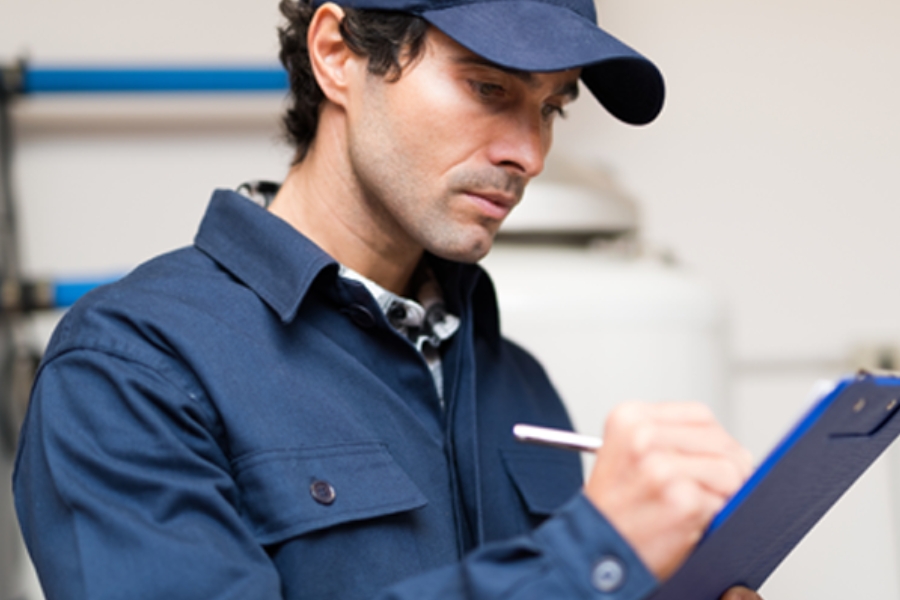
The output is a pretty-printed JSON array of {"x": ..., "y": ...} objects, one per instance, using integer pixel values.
[{"x": 322, "y": 492}]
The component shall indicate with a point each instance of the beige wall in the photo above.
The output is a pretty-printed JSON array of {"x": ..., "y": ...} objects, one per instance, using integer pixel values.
[{"x": 773, "y": 168}]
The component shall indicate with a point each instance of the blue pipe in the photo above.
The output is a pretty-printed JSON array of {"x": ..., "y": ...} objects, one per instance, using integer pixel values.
[
  {"x": 31, "y": 295},
  {"x": 67, "y": 291},
  {"x": 58, "y": 80}
]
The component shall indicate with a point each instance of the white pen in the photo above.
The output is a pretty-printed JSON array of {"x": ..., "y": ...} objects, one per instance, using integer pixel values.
[{"x": 557, "y": 438}]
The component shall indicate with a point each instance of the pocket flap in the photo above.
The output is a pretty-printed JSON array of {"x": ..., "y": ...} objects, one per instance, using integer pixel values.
[
  {"x": 546, "y": 478},
  {"x": 279, "y": 488}
]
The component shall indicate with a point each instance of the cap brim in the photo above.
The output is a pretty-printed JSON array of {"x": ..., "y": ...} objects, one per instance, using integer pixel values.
[{"x": 530, "y": 35}]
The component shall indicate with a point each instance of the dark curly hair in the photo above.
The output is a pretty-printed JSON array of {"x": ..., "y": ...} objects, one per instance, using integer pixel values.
[{"x": 390, "y": 40}]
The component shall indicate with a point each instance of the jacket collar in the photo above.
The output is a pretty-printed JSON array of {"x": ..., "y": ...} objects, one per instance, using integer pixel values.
[
  {"x": 260, "y": 250},
  {"x": 467, "y": 285},
  {"x": 280, "y": 264}
]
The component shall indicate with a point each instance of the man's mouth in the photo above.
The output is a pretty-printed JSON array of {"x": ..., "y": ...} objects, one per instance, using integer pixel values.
[{"x": 493, "y": 204}]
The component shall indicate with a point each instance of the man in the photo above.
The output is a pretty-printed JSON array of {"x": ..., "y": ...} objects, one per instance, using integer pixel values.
[{"x": 314, "y": 400}]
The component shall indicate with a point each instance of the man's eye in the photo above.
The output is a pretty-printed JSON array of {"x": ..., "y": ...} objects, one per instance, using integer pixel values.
[
  {"x": 487, "y": 90},
  {"x": 552, "y": 110}
]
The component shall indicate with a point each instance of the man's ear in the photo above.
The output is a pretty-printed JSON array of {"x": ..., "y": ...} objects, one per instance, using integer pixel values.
[{"x": 331, "y": 59}]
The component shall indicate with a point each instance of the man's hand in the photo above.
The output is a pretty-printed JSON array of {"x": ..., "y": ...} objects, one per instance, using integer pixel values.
[
  {"x": 741, "y": 593},
  {"x": 663, "y": 472}
]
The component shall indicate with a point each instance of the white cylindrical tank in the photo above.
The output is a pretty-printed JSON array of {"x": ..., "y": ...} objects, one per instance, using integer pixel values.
[{"x": 608, "y": 323}]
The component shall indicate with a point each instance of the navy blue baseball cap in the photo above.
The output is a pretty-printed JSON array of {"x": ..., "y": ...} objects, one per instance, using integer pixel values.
[{"x": 545, "y": 35}]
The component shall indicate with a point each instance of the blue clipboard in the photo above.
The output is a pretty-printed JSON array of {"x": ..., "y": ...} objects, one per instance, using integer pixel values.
[{"x": 828, "y": 449}]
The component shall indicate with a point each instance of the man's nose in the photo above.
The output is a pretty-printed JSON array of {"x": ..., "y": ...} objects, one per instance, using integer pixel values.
[{"x": 522, "y": 144}]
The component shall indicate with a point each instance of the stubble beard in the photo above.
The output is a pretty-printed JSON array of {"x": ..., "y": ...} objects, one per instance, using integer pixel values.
[{"x": 393, "y": 195}]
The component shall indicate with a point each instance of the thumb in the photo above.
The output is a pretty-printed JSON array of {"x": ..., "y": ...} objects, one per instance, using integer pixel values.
[{"x": 741, "y": 593}]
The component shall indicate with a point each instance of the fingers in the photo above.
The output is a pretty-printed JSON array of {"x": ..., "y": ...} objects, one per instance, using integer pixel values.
[
  {"x": 676, "y": 412},
  {"x": 717, "y": 475},
  {"x": 687, "y": 428},
  {"x": 664, "y": 471},
  {"x": 741, "y": 593}
]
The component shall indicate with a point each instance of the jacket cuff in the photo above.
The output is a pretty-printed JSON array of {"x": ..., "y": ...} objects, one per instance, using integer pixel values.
[{"x": 595, "y": 557}]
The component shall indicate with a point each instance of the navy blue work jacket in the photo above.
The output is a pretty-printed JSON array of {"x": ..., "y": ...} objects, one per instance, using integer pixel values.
[{"x": 234, "y": 420}]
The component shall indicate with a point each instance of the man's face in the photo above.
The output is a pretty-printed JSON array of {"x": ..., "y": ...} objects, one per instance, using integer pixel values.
[{"x": 442, "y": 155}]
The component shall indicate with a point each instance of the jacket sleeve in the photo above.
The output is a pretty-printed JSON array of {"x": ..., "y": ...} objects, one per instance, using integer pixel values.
[
  {"x": 575, "y": 554},
  {"x": 123, "y": 491}
]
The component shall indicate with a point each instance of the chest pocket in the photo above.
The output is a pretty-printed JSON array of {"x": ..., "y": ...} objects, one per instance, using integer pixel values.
[
  {"x": 292, "y": 492},
  {"x": 544, "y": 478}
]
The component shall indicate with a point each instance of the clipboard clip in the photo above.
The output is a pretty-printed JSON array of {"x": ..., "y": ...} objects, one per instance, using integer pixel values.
[{"x": 869, "y": 410}]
